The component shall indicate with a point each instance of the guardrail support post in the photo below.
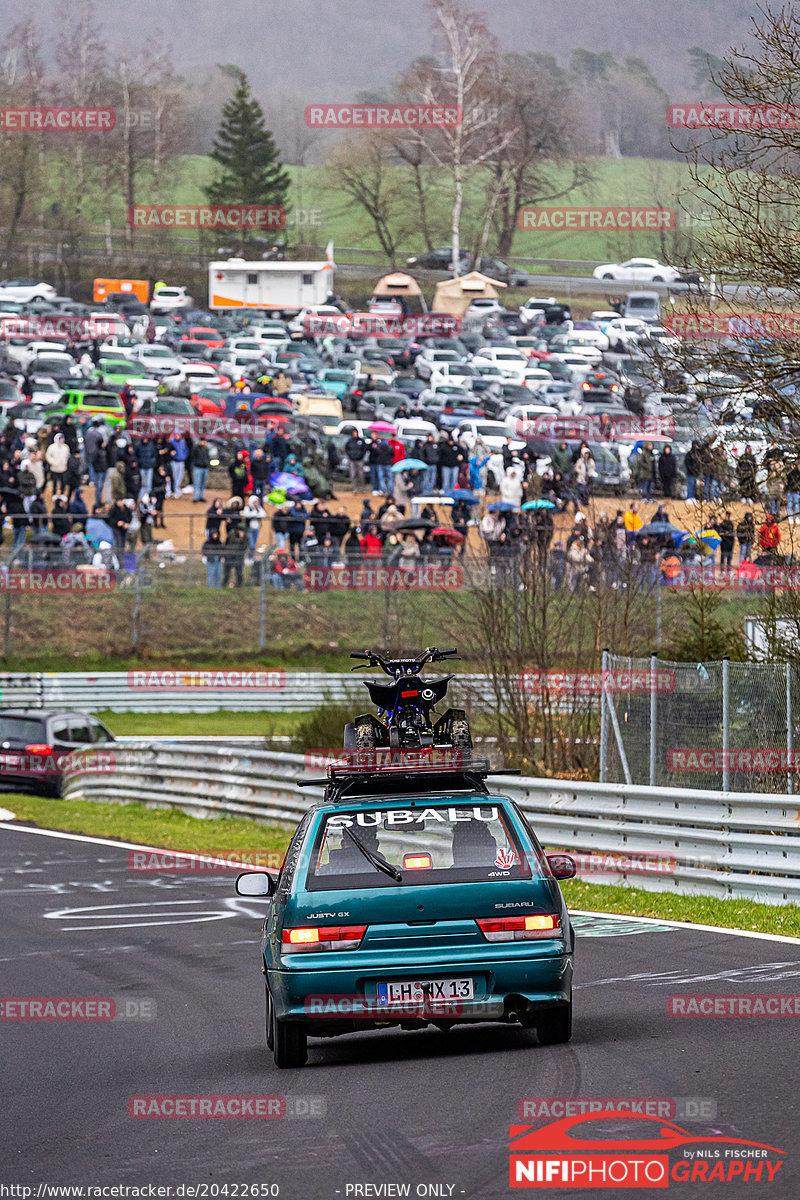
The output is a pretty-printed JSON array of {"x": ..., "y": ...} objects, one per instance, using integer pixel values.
[
  {"x": 603, "y": 720},
  {"x": 653, "y": 717},
  {"x": 789, "y": 735},
  {"x": 726, "y": 717}
]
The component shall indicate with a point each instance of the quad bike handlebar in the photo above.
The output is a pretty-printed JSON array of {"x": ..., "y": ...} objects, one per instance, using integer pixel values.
[{"x": 401, "y": 666}]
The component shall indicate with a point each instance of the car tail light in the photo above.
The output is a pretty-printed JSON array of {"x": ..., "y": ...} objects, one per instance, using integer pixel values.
[
  {"x": 586, "y": 386},
  {"x": 39, "y": 750},
  {"x": 615, "y": 387},
  {"x": 447, "y": 410},
  {"x": 323, "y": 937},
  {"x": 417, "y": 862},
  {"x": 520, "y": 928},
  {"x": 479, "y": 412}
]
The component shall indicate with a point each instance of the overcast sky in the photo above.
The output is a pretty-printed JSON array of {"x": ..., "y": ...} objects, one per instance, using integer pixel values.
[{"x": 330, "y": 49}]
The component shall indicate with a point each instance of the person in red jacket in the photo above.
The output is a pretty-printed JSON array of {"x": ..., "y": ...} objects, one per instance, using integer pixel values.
[
  {"x": 398, "y": 450},
  {"x": 371, "y": 544},
  {"x": 769, "y": 536}
]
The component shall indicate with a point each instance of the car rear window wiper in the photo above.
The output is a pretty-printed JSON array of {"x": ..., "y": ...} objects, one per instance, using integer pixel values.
[{"x": 377, "y": 860}]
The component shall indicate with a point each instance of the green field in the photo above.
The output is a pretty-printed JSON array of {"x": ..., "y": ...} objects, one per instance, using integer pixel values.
[{"x": 627, "y": 181}]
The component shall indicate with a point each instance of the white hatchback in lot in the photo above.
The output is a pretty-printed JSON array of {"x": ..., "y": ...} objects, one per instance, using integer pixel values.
[
  {"x": 512, "y": 363},
  {"x": 171, "y": 299}
]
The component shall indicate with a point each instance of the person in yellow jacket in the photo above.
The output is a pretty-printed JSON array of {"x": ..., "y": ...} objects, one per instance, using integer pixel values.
[{"x": 633, "y": 523}]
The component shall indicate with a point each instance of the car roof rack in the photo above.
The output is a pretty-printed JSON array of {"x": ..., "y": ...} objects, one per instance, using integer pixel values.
[{"x": 387, "y": 770}]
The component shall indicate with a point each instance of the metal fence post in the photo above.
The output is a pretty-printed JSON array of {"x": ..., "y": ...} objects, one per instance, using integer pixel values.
[
  {"x": 658, "y": 612},
  {"x": 789, "y": 736},
  {"x": 726, "y": 775},
  {"x": 7, "y": 626},
  {"x": 653, "y": 717},
  {"x": 262, "y": 606},
  {"x": 603, "y": 719},
  {"x": 137, "y": 600}
]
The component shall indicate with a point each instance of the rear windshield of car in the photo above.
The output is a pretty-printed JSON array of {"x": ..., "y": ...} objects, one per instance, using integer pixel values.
[
  {"x": 642, "y": 302},
  {"x": 23, "y": 729},
  {"x": 455, "y": 842},
  {"x": 99, "y": 400}
]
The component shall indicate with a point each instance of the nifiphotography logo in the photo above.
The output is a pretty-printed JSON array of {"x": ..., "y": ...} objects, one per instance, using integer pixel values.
[{"x": 573, "y": 1153}]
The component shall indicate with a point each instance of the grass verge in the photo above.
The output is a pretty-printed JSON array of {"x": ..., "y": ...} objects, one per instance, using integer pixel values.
[
  {"x": 207, "y": 724},
  {"x": 700, "y": 910},
  {"x": 165, "y": 828},
  {"x": 177, "y": 831}
]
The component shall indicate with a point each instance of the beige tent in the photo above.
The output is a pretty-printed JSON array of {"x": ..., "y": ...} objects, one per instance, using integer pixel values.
[
  {"x": 397, "y": 284},
  {"x": 456, "y": 295}
]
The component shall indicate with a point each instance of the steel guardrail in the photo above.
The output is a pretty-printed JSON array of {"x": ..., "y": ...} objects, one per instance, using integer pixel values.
[{"x": 735, "y": 845}]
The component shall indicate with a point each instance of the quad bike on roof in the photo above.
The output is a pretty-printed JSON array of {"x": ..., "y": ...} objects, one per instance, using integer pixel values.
[{"x": 405, "y": 706}]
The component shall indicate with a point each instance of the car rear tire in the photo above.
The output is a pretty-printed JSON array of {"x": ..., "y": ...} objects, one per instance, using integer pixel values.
[
  {"x": 270, "y": 1038},
  {"x": 554, "y": 1025},
  {"x": 349, "y": 740},
  {"x": 290, "y": 1043},
  {"x": 658, "y": 279},
  {"x": 608, "y": 275},
  {"x": 460, "y": 734},
  {"x": 365, "y": 736}
]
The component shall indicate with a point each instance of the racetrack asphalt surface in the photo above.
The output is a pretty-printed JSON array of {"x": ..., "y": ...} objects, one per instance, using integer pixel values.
[{"x": 418, "y": 1108}]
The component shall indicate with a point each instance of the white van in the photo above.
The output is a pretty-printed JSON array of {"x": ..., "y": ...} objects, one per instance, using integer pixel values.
[{"x": 644, "y": 305}]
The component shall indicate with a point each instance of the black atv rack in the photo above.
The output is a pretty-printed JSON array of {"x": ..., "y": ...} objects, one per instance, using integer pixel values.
[{"x": 386, "y": 771}]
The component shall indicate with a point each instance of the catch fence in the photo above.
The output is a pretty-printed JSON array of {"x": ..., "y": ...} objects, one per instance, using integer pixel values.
[{"x": 722, "y": 726}]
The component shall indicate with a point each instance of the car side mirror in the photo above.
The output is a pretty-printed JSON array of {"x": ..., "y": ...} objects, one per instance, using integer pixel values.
[
  {"x": 561, "y": 865},
  {"x": 256, "y": 883}
]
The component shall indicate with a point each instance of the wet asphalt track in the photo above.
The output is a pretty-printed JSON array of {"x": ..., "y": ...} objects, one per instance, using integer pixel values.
[{"x": 417, "y": 1108}]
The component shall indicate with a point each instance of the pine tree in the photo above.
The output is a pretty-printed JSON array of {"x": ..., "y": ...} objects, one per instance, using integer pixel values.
[{"x": 251, "y": 171}]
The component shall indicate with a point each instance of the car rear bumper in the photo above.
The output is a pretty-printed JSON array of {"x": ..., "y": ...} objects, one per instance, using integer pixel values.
[{"x": 502, "y": 986}]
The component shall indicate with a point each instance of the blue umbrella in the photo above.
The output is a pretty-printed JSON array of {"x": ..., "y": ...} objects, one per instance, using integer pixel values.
[
  {"x": 410, "y": 464},
  {"x": 662, "y": 527},
  {"x": 464, "y": 495},
  {"x": 537, "y": 504},
  {"x": 501, "y": 506},
  {"x": 285, "y": 479}
]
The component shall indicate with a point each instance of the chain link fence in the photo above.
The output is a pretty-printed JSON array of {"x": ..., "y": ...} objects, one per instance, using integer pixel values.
[{"x": 718, "y": 726}]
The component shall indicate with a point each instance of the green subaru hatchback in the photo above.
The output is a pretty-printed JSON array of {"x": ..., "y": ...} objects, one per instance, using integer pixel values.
[{"x": 401, "y": 902}]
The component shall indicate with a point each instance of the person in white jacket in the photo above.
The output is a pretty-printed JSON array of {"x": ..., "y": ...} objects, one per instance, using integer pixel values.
[
  {"x": 253, "y": 514},
  {"x": 57, "y": 458},
  {"x": 511, "y": 487}
]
